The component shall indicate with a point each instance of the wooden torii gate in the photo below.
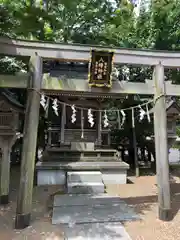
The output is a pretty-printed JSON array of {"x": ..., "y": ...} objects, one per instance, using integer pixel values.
[{"x": 80, "y": 53}]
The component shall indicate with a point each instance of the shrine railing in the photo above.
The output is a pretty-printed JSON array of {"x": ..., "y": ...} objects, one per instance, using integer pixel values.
[{"x": 70, "y": 135}]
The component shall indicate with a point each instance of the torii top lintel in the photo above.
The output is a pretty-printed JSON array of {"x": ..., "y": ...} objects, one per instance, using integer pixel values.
[{"x": 81, "y": 53}]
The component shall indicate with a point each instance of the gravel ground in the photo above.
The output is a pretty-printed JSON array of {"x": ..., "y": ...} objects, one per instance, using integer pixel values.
[
  {"x": 141, "y": 193},
  {"x": 41, "y": 227}
]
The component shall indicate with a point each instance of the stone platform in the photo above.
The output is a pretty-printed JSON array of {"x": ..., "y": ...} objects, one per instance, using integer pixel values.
[
  {"x": 58, "y": 162},
  {"x": 81, "y": 153},
  {"x": 54, "y": 173}
]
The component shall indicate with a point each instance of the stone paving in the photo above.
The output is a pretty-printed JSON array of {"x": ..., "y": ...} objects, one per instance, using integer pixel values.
[
  {"x": 96, "y": 231},
  {"x": 92, "y": 216}
]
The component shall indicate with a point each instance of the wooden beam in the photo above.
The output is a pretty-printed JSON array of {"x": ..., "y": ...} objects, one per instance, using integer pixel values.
[
  {"x": 99, "y": 128},
  {"x": 63, "y": 118},
  {"x": 161, "y": 145},
  {"x": 80, "y": 86},
  {"x": 68, "y": 85},
  {"x": 81, "y": 53},
  {"x": 14, "y": 81},
  {"x": 24, "y": 202}
]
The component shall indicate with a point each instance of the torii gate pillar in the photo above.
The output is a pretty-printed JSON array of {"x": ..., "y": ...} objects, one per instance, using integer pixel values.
[
  {"x": 23, "y": 213},
  {"x": 161, "y": 145}
]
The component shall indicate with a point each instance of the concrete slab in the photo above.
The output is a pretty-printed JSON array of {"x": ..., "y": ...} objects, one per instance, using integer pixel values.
[
  {"x": 85, "y": 187},
  {"x": 86, "y": 199},
  {"x": 84, "y": 176},
  {"x": 96, "y": 214},
  {"x": 97, "y": 231},
  {"x": 51, "y": 177}
]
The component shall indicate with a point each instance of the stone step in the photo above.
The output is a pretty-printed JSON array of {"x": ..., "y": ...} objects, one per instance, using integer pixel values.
[
  {"x": 58, "y": 158},
  {"x": 61, "y": 149},
  {"x": 82, "y": 166},
  {"x": 96, "y": 231},
  {"x": 86, "y": 199},
  {"x": 85, "y": 187},
  {"x": 96, "y": 214},
  {"x": 84, "y": 176}
]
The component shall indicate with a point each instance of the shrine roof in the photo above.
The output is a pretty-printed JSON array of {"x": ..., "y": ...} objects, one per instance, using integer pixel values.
[
  {"x": 170, "y": 103},
  {"x": 9, "y": 97}
]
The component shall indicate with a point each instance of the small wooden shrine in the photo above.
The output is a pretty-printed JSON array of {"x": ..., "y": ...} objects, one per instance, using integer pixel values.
[
  {"x": 78, "y": 145},
  {"x": 173, "y": 111},
  {"x": 10, "y": 109}
]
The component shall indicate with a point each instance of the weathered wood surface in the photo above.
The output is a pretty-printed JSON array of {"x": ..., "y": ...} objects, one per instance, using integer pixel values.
[
  {"x": 161, "y": 144},
  {"x": 81, "y": 53},
  {"x": 5, "y": 173},
  {"x": 63, "y": 118},
  {"x": 24, "y": 202},
  {"x": 6, "y": 143},
  {"x": 135, "y": 145},
  {"x": 80, "y": 86}
]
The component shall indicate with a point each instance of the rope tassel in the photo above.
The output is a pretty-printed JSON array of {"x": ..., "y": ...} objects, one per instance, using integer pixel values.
[
  {"x": 142, "y": 113},
  {"x": 73, "y": 117},
  {"x": 55, "y": 107},
  {"x": 90, "y": 117},
  {"x": 106, "y": 124},
  {"x": 123, "y": 118},
  {"x": 43, "y": 101}
]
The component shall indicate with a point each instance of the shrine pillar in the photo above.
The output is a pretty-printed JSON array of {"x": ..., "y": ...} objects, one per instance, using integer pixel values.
[
  {"x": 24, "y": 202},
  {"x": 63, "y": 119},
  {"x": 161, "y": 144},
  {"x": 99, "y": 127}
]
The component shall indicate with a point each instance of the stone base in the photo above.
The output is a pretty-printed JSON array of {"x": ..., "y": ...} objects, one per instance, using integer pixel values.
[
  {"x": 22, "y": 221},
  {"x": 51, "y": 177},
  {"x": 165, "y": 214},
  {"x": 114, "y": 177},
  {"x": 54, "y": 173}
]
